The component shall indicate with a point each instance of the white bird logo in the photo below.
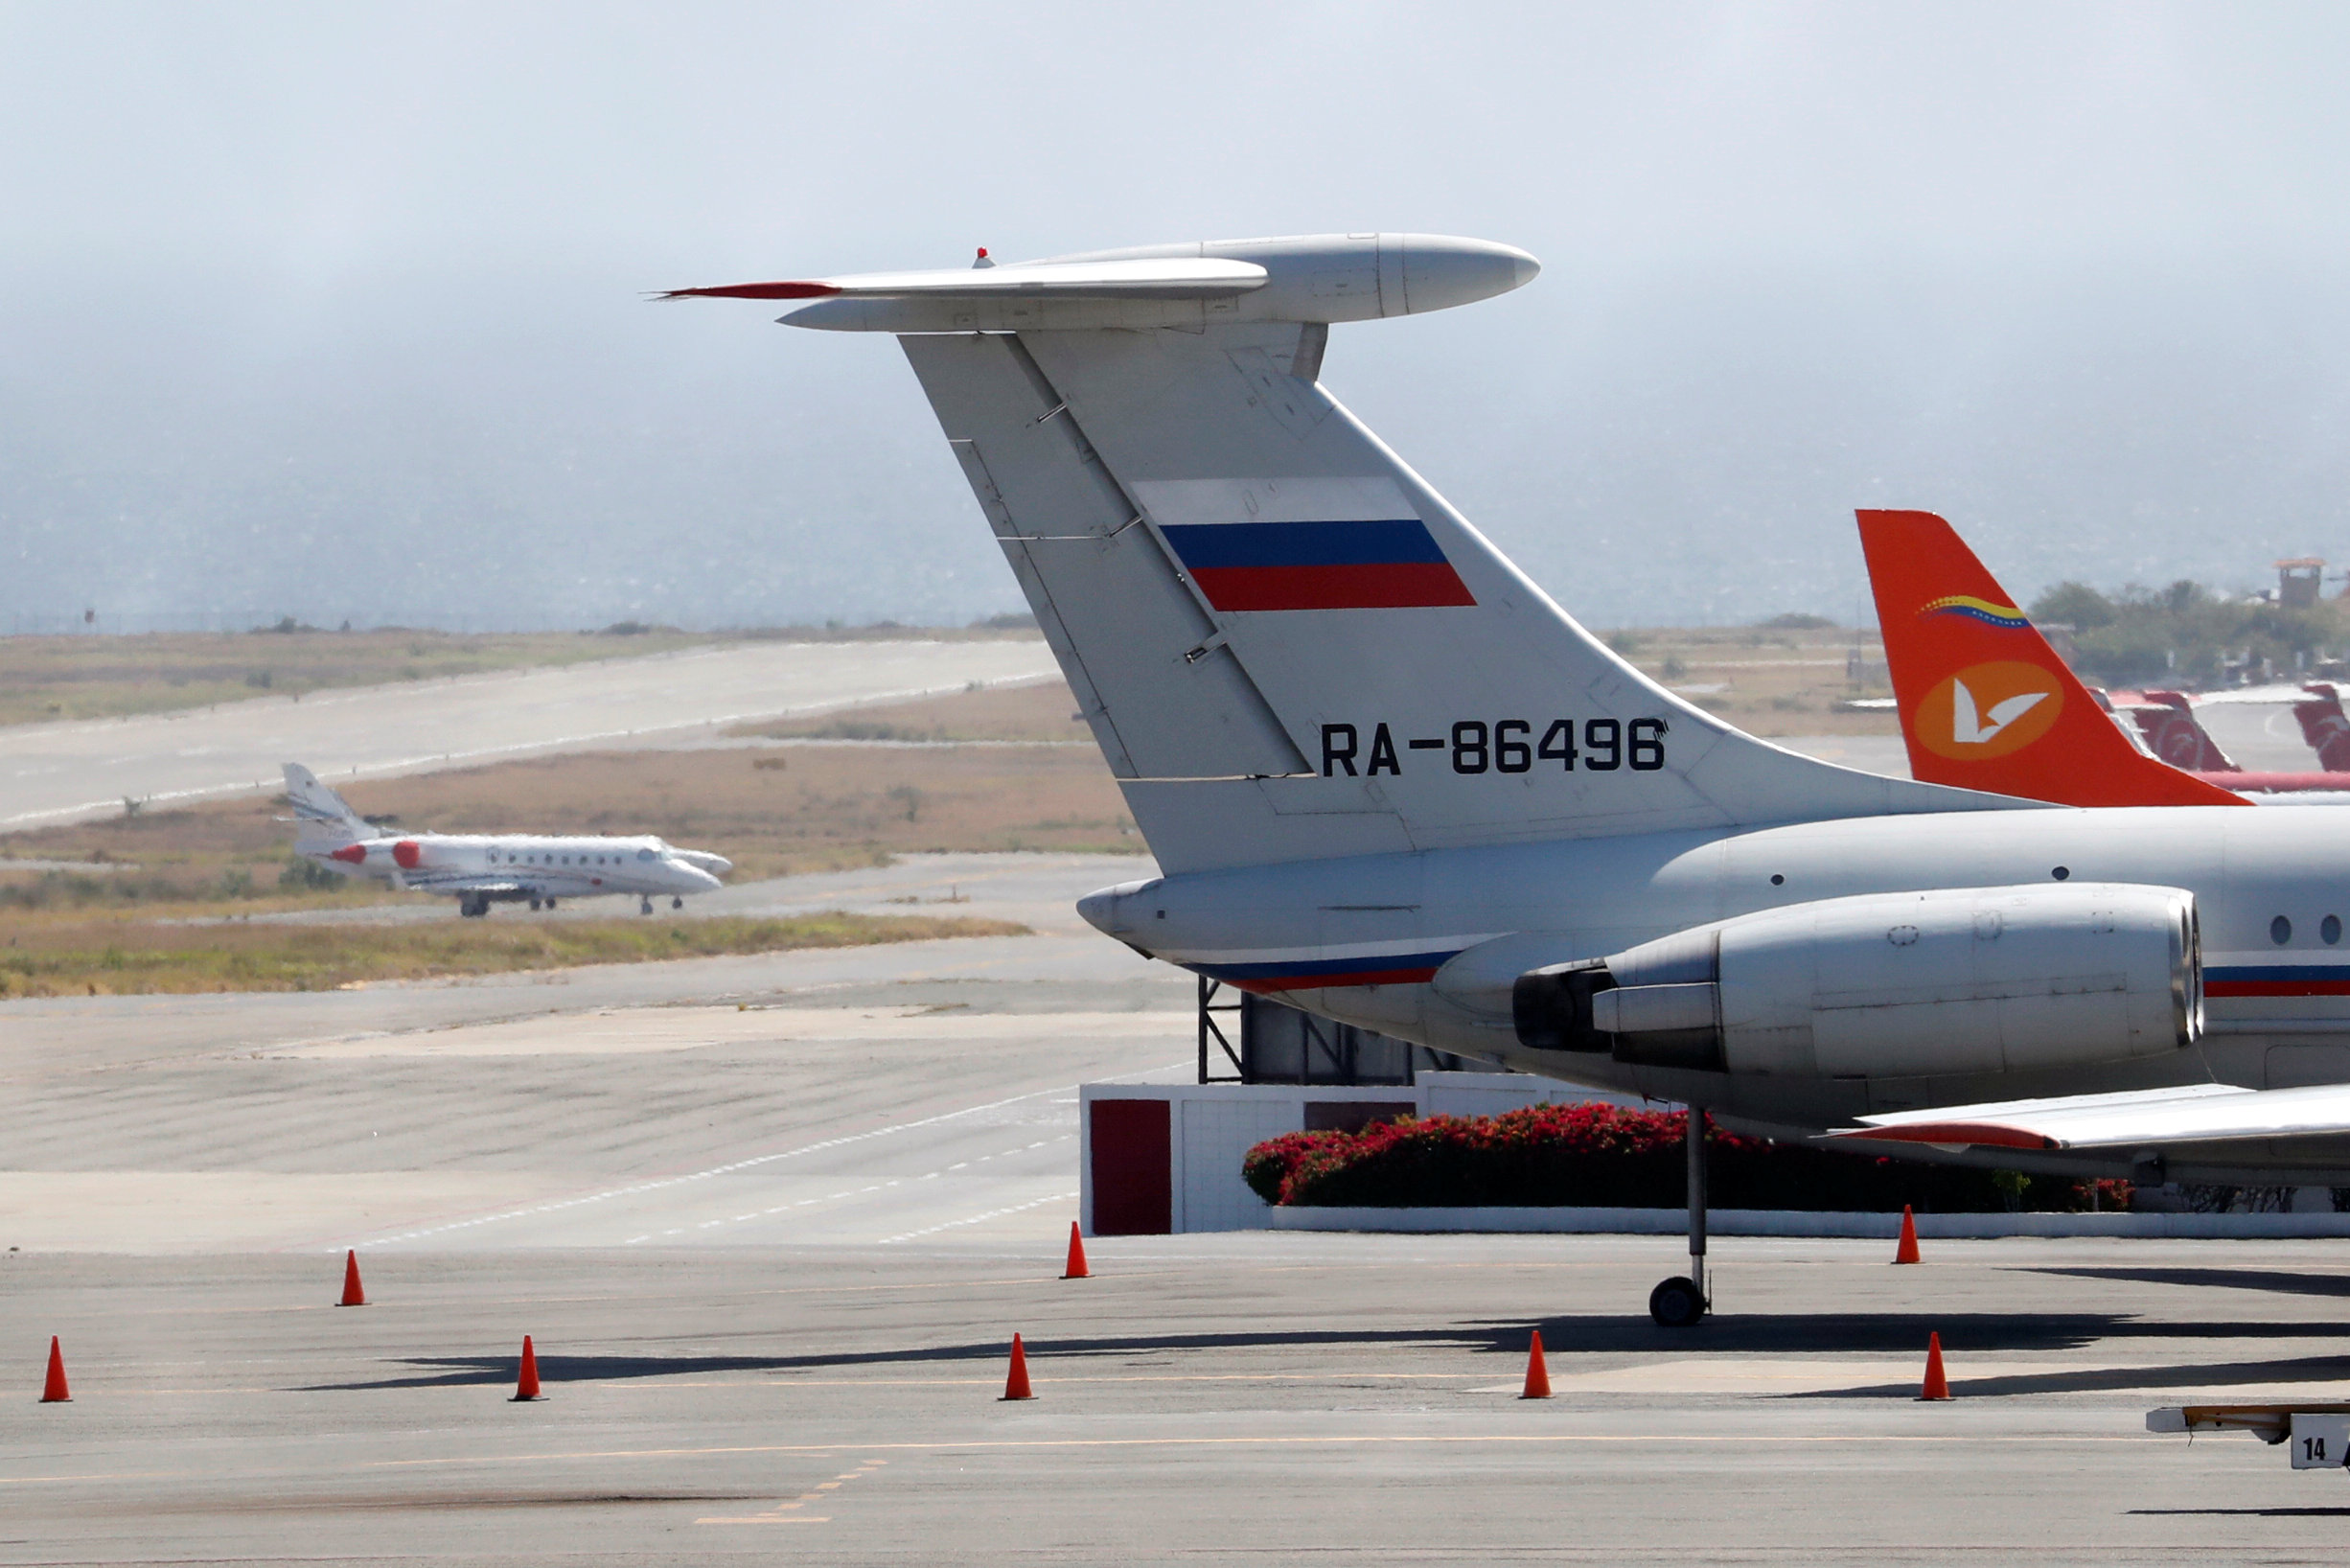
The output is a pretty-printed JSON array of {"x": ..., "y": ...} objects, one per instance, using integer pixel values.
[{"x": 1966, "y": 730}]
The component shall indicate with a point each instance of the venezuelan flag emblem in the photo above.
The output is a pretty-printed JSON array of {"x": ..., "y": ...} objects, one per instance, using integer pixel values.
[{"x": 2007, "y": 617}]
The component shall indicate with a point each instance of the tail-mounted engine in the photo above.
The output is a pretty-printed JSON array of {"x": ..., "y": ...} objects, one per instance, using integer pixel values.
[{"x": 1983, "y": 980}]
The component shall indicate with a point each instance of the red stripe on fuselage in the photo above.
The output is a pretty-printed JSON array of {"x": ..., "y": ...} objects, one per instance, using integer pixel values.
[
  {"x": 2277, "y": 989},
  {"x": 1315, "y": 983}
]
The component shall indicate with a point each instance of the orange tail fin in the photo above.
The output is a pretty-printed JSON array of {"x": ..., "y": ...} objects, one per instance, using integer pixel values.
[{"x": 1986, "y": 704}]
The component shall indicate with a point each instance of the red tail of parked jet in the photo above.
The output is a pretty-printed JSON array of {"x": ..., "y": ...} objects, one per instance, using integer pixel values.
[
  {"x": 1986, "y": 704},
  {"x": 2324, "y": 727}
]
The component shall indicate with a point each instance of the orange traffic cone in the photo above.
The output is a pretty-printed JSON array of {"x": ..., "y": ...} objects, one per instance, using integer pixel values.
[
  {"x": 352, "y": 1295},
  {"x": 1538, "y": 1375},
  {"x": 1937, "y": 1386},
  {"x": 54, "y": 1392},
  {"x": 1076, "y": 1255},
  {"x": 1016, "y": 1386},
  {"x": 1906, "y": 1252},
  {"x": 527, "y": 1386}
]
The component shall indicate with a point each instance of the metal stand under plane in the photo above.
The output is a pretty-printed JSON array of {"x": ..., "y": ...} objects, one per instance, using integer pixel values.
[{"x": 1681, "y": 1302}]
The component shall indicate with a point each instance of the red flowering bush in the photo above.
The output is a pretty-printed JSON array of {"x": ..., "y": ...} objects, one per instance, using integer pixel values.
[{"x": 1603, "y": 1156}]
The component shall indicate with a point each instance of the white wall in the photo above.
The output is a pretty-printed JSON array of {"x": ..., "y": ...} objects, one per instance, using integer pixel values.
[{"x": 1211, "y": 1126}]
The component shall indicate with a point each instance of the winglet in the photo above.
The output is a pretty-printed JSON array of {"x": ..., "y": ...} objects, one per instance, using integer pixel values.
[{"x": 1985, "y": 702}]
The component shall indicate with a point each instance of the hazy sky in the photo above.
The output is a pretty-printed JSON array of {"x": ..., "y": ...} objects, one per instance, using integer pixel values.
[{"x": 339, "y": 314}]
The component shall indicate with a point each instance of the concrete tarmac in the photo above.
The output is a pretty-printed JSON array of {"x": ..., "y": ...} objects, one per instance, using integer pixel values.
[
  {"x": 56, "y": 772},
  {"x": 1238, "y": 1398}
]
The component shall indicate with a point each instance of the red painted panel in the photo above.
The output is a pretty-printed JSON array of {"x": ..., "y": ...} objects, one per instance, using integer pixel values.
[
  {"x": 1400, "y": 586},
  {"x": 1134, "y": 1187}
]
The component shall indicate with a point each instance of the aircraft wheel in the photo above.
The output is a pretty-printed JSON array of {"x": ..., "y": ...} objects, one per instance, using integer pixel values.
[
  {"x": 645, "y": 906},
  {"x": 534, "y": 904},
  {"x": 550, "y": 903},
  {"x": 677, "y": 903},
  {"x": 1677, "y": 1304}
]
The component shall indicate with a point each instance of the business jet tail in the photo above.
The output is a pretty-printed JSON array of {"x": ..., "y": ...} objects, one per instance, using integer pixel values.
[{"x": 321, "y": 813}]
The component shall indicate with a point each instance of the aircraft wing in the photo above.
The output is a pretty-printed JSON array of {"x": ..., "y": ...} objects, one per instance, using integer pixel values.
[
  {"x": 457, "y": 882},
  {"x": 2207, "y": 1113}
]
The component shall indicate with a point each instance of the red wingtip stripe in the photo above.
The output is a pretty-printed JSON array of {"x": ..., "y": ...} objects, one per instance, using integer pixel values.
[{"x": 758, "y": 291}]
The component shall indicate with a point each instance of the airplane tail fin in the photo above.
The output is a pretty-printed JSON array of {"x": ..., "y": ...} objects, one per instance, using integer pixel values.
[
  {"x": 320, "y": 812},
  {"x": 2324, "y": 727},
  {"x": 1288, "y": 645},
  {"x": 1985, "y": 702},
  {"x": 2174, "y": 734}
]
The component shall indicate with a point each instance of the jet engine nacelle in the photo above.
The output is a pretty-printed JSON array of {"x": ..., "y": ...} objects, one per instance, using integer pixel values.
[{"x": 1892, "y": 985}]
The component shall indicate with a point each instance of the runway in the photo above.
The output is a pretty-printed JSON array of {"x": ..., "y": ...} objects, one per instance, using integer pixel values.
[{"x": 60, "y": 773}]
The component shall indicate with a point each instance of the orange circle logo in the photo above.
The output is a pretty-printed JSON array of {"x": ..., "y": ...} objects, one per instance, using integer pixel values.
[{"x": 1989, "y": 711}]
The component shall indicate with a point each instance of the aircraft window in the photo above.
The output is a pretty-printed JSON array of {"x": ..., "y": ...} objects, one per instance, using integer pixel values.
[
  {"x": 2061, "y": 873},
  {"x": 2280, "y": 930},
  {"x": 644, "y": 854},
  {"x": 2329, "y": 930}
]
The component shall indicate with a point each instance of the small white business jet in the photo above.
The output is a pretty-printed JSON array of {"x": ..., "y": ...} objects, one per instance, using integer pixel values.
[{"x": 479, "y": 869}]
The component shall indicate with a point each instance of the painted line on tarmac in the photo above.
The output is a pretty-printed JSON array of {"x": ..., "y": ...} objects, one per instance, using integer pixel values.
[
  {"x": 1337, "y": 1440},
  {"x": 994, "y": 1382},
  {"x": 974, "y": 1219},
  {"x": 1358, "y": 1439}
]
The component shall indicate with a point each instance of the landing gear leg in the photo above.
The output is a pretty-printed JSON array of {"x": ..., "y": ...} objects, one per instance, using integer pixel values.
[
  {"x": 534, "y": 904},
  {"x": 1681, "y": 1303}
]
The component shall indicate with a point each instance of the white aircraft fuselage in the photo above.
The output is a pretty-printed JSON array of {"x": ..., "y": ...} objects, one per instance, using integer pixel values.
[
  {"x": 542, "y": 868},
  {"x": 1391, "y": 781},
  {"x": 479, "y": 869},
  {"x": 1440, "y": 935}
]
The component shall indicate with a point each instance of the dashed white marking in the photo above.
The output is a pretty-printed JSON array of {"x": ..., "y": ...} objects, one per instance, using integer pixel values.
[
  {"x": 992, "y": 1213},
  {"x": 703, "y": 1175}
]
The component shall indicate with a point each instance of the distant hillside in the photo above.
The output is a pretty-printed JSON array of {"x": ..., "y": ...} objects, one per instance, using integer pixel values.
[{"x": 2188, "y": 635}]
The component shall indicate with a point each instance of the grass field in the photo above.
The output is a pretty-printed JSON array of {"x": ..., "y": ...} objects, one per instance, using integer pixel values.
[
  {"x": 1769, "y": 681},
  {"x": 102, "y": 954},
  {"x": 51, "y": 677},
  {"x": 1021, "y": 778}
]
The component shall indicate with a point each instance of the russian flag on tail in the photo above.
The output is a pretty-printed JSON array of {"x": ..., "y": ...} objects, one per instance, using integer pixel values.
[
  {"x": 1304, "y": 543},
  {"x": 1387, "y": 564}
]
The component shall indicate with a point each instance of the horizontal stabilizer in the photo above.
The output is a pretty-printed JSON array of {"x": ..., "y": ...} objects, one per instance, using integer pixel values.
[
  {"x": 1188, "y": 286},
  {"x": 2207, "y": 1113},
  {"x": 1170, "y": 277}
]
